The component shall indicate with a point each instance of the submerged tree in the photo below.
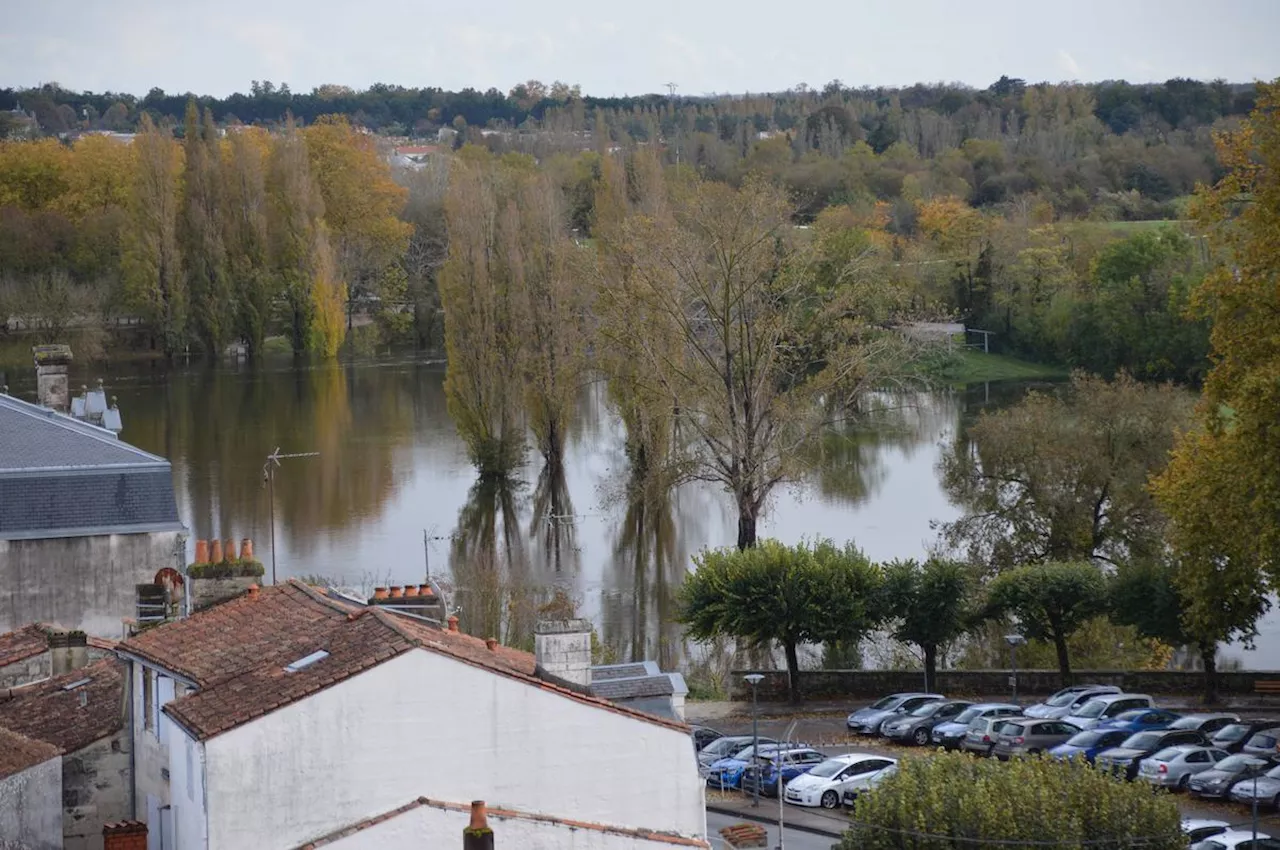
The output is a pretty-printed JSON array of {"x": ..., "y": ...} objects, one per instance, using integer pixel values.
[
  {"x": 715, "y": 307},
  {"x": 200, "y": 228},
  {"x": 788, "y": 594},
  {"x": 152, "y": 261},
  {"x": 245, "y": 214}
]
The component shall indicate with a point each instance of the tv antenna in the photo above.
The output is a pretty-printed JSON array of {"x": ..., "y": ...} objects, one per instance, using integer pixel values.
[{"x": 269, "y": 478}]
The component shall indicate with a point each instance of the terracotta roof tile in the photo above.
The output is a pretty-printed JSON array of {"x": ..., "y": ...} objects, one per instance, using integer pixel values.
[
  {"x": 48, "y": 711},
  {"x": 666, "y": 838},
  {"x": 18, "y": 752},
  {"x": 22, "y": 643},
  {"x": 237, "y": 652}
]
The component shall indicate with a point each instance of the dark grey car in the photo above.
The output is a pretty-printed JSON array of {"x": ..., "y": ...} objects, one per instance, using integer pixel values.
[
  {"x": 867, "y": 721},
  {"x": 1217, "y": 782},
  {"x": 916, "y": 726}
]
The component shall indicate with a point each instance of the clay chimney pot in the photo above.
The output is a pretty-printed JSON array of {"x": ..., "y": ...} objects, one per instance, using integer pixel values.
[
  {"x": 453, "y": 624},
  {"x": 202, "y": 552},
  {"x": 492, "y": 643},
  {"x": 379, "y": 593},
  {"x": 229, "y": 550},
  {"x": 215, "y": 551},
  {"x": 425, "y": 590},
  {"x": 246, "y": 549},
  {"x": 396, "y": 591},
  {"x": 479, "y": 817},
  {"x": 253, "y": 591},
  {"x": 410, "y": 590}
]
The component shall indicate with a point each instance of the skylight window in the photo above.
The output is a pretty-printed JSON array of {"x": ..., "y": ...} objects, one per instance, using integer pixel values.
[
  {"x": 306, "y": 661},
  {"x": 77, "y": 683}
]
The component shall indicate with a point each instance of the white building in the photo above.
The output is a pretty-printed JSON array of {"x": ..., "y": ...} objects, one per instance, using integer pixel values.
[{"x": 287, "y": 719}]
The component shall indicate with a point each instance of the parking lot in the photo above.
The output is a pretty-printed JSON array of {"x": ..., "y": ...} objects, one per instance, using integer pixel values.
[{"x": 824, "y": 728}]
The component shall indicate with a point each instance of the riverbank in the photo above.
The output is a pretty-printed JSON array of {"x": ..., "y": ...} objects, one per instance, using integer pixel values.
[{"x": 976, "y": 367}]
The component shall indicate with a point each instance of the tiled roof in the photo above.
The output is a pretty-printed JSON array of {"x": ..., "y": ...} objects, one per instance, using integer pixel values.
[
  {"x": 60, "y": 477},
  {"x": 48, "y": 711},
  {"x": 22, "y": 643},
  {"x": 236, "y": 653},
  {"x": 18, "y": 752},
  {"x": 608, "y": 672},
  {"x": 637, "y": 688},
  {"x": 38, "y": 438},
  {"x": 663, "y": 838}
]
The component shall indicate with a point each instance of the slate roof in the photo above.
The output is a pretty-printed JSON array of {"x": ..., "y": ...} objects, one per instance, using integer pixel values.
[
  {"x": 18, "y": 752},
  {"x": 22, "y": 644},
  {"x": 608, "y": 672},
  {"x": 236, "y": 653},
  {"x": 48, "y": 711},
  {"x": 638, "y": 688},
  {"x": 63, "y": 478}
]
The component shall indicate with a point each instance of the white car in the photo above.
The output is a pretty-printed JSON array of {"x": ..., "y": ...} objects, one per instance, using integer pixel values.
[
  {"x": 825, "y": 784},
  {"x": 1198, "y": 829},
  {"x": 1237, "y": 839}
]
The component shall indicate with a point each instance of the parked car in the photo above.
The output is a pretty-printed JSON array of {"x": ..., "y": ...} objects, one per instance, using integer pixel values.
[
  {"x": 726, "y": 773},
  {"x": 850, "y": 795},
  {"x": 1060, "y": 704},
  {"x": 1209, "y": 724},
  {"x": 765, "y": 769},
  {"x": 1217, "y": 782},
  {"x": 1141, "y": 720},
  {"x": 1103, "y": 708},
  {"x": 1026, "y": 736},
  {"x": 1266, "y": 789},
  {"x": 981, "y": 735},
  {"x": 1173, "y": 767},
  {"x": 825, "y": 784},
  {"x": 917, "y": 725},
  {"x": 1198, "y": 829},
  {"x": 950, "y": 733},
  {"x": 1263, "y": 743},
  {"x": 725, "y": 747},
  {"x": 1234, "y": 736},
  {"x": 867, "y": 721},
  {"x": 1237, "y": 839},
  {"x": 703, "y": 735},
  {"x": 1124, "y": 759},
  {"x": 1089, "y": 743}
]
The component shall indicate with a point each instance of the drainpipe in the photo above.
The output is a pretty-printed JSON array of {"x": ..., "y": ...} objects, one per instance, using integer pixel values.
[{"x": 133, "y": 746}]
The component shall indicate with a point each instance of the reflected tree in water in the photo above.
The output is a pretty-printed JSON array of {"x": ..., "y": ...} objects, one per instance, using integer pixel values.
[
  {"x": 639, "y": 621},
  {"x": 553, "y": 526}
]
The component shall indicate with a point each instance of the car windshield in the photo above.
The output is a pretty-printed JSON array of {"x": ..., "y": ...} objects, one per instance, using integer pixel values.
[
  {"x": 927, "y": 709},
  {"x": 1092, "y": 708},
  {"x": 1063, "y": 699},
  {"x": 1086, "y": 739},
  {"x": 721, "y": 746},
  {"x": 1132, "y": 714},
  {"x": 1231, "y": 764},
  {"x": 1263, "y": 740},
  {"x": 967, "y": 715},
  {"x": 1167, "y": 754},
  {"x": 1234, "y": 732},
  {"x": 1187, "y": 723},
  {"x": 1142, "y": 741},
  {"x": 883, "y": 703},
  {"x": 1273, "y": 773},
  {"x": 1011, "y": 729},
  {"x": 829, "y": 768}
]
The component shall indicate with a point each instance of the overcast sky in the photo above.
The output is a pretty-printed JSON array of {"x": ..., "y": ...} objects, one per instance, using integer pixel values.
[{"x": 627, "y": 48}]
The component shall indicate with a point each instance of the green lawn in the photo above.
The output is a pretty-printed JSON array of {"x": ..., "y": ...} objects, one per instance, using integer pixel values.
[{"x": 974, "y": 367}]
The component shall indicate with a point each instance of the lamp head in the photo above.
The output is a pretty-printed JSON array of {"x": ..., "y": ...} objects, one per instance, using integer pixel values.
[
  {"x": 754, "y": 678},
  {"x": 1015, "y": 640}
]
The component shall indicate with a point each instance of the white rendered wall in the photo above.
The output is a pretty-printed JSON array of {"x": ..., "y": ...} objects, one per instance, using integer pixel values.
[
  {"x": 427, "y": 826},
  {"x": 426, "y": 725},
  {"x": 31, "y": 807}
]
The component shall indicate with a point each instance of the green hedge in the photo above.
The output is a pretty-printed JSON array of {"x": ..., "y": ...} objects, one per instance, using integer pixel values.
[
  {"x": 227, "y": 569},
  {"x": 958, "y": 802}
]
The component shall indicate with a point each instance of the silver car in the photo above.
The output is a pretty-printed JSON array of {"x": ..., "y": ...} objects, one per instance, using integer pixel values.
[
  {"x": 1027, "y": 736},
  {"x": 1173, "y": 767},
  {"x": 1062, "y": 703},
  {"x": 1266, "y": 790},
  {"x": 980, "y": 737}
]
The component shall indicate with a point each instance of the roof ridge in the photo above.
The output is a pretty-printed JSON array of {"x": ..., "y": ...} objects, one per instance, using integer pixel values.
[
  {"x": 317, "y": 596},
  {"x": 67, "y": 423}
]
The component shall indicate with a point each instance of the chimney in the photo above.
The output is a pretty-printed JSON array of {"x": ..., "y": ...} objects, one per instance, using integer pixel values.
[
  {"x": 51, "y": 376},
  {"x": 477, "y": 835},
  {"x": 562, "y": 649},
  {"x": 124, "y": 835},
  {"x": 68, "y": 651}
]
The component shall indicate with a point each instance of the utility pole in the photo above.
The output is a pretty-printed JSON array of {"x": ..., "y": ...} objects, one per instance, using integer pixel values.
[
  {"x": 427, "y": 538},
  {"x": 269, "y": 478}
]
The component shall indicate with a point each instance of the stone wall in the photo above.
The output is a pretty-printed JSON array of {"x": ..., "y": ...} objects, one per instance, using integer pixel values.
[
  {"x": 206, "y": 592},
  {"x": 868, "y": 684},
  {"x": 84, "y": 583},
  {"x": 26, "y": 671},
  {"x": 95, "y": 790},
  {"x": 31, "y": 808}
]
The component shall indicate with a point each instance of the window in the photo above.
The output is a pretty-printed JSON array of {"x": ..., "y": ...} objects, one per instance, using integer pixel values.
[
  {"x": 1198, "y": 757},
  {"x": 148, "y": 700}
]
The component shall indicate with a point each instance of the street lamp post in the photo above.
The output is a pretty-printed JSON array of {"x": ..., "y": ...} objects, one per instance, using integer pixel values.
[
  {"x": 754, "y": 679},
  {"x": 1014, "y": 641},
  {"x": 780, "y": 755}
]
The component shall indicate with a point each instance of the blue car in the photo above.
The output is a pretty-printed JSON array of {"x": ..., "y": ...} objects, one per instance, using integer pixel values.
[
  {"x": 1141, "y": 720},
  {"x": 1089, "y": 743},
  {"x": 763, "y": 772},
  {"x": 726, "y": 773}
]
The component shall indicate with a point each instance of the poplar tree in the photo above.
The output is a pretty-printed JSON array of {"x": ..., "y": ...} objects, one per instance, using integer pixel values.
[
  {"x": 203, "y": 249},
  {"x": 244, "y": 219}
]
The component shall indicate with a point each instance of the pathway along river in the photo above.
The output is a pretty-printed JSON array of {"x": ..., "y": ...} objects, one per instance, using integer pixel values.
[{"x": 391, "y": 466}]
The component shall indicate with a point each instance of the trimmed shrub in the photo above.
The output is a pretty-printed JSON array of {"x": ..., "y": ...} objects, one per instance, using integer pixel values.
[
  {"x": 954, "y": 801},
  {"x": 227, "y": 569}
]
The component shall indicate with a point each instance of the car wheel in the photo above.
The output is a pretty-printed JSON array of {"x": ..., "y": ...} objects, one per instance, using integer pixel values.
[
  {"x": 1183, "y": 780},
  {"x": 921, "y": 737},
  {"x": 830, "y": 800}
]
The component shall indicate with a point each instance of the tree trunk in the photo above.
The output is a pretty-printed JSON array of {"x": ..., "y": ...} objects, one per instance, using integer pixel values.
[
  {"x": 746, "y": 526},
  {"x": 1209, "y": 656},
  {"x": 793, "y": 669},
  {"x": 930, "y": 666},
  {"x": 1064, "y": 661}
]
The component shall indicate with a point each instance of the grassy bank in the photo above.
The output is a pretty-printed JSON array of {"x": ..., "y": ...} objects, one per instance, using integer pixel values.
[{"x": 975, "y": 367}]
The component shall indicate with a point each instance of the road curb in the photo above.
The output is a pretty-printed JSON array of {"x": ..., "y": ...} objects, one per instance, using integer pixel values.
[{"x": 762, "y": 818}]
